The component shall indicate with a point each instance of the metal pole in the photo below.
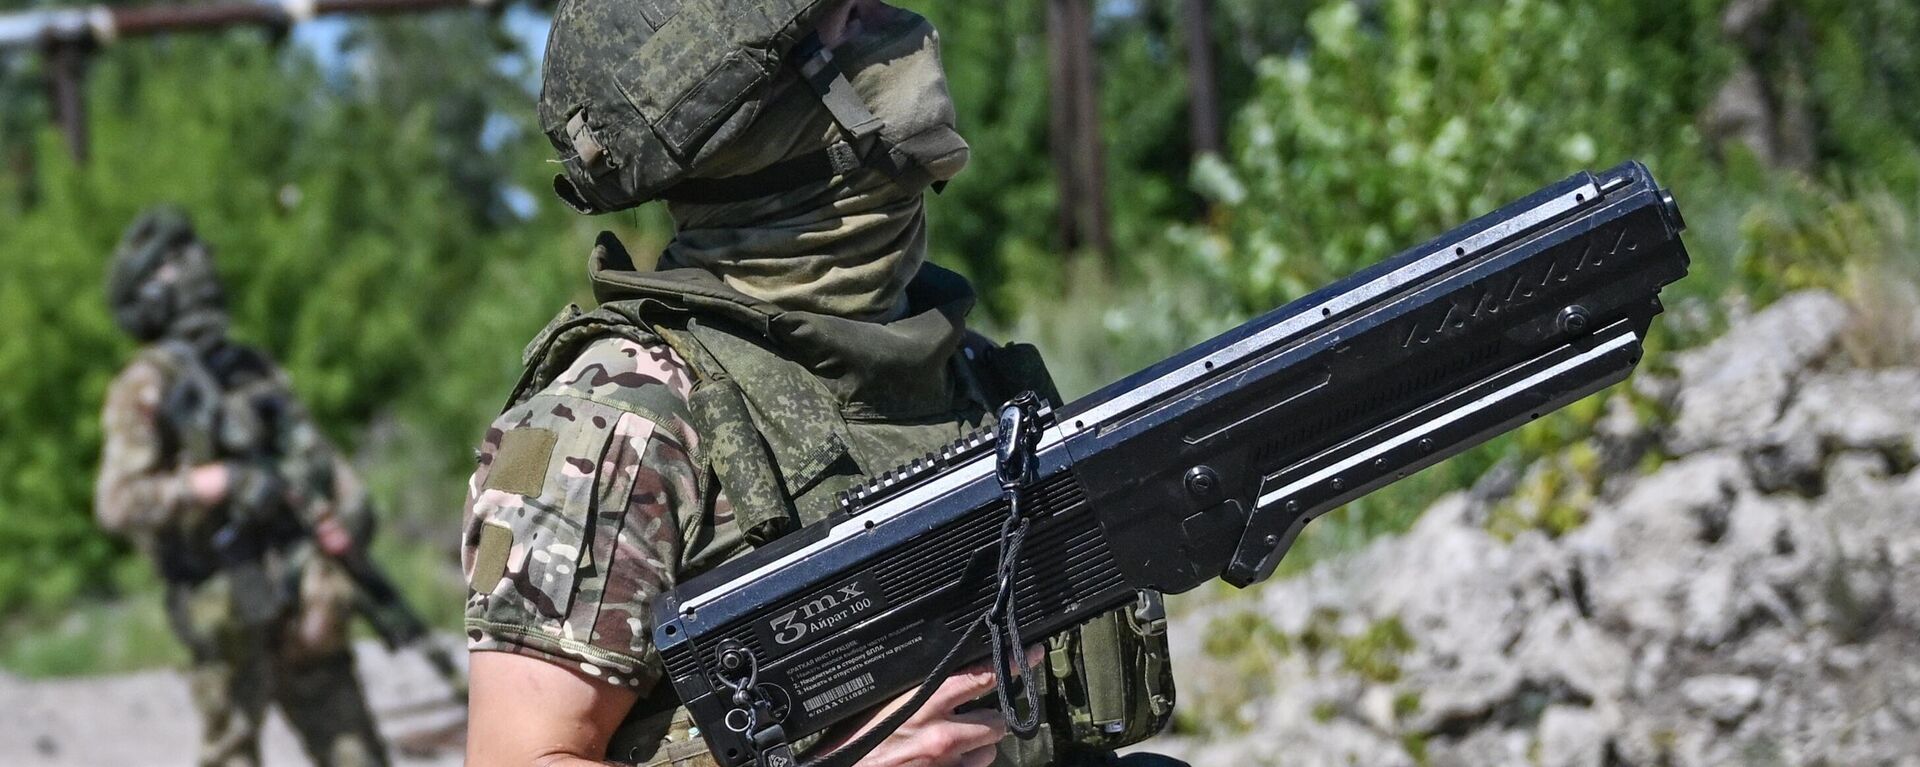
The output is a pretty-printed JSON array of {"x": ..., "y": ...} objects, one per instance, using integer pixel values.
[
  {"x": 69, "y": 35},
  {"x": 67, "y": 90}
]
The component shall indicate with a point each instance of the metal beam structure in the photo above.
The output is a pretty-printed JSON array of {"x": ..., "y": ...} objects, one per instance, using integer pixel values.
[{"x": 69, "y": 36}]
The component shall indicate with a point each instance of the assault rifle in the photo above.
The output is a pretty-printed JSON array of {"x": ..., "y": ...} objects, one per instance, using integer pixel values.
[
  {"x": 1204, "y": 466},
  {"x": 395, "y": 621}
]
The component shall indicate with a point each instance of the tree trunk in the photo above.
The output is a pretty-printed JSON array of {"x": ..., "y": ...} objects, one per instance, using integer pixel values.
[
  {"x": 1079, "y": 152},
  {"x": 1203, "y": 88}
]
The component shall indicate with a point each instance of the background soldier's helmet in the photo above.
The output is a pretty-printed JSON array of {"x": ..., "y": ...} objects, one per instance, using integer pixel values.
[{"x": 161, "y": 278}]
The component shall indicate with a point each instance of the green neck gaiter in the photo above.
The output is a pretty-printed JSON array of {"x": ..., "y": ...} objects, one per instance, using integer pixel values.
[{"x": 845, "y": 247}]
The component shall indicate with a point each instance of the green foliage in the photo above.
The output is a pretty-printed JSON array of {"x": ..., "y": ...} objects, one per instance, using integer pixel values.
[
  {"x": 1240, "y": 634},
  {"x": 995, "y": 222},
  {"x": 359, "y": 247},
  {"x": 1247, "y": 648},
  {"x": 1408, "y": 119},
  {"x": 1395, "y": 120},
  {"x": 1375, "y": 653}
]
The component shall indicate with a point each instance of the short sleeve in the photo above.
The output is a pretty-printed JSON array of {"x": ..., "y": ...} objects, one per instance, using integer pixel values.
[
  {"x": 570, "y": 533},
  {"x": 137, "y": 488}
]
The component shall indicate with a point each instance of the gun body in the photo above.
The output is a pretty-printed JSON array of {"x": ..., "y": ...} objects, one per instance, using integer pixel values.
[{"x": 1206, "y": 465}]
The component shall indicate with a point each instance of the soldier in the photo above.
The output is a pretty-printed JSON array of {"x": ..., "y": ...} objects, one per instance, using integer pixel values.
[
  {"x": 215, "y": 472},
  {"x": 790, "y": 340}
]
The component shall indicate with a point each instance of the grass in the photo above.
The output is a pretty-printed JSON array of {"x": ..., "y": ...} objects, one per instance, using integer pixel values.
[{"x": 130, "y": 632}]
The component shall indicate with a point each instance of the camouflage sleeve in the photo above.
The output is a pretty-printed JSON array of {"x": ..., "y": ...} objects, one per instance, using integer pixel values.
[
  {"x": 570, "y": 530},
  {"x": 137, "y": 489}
]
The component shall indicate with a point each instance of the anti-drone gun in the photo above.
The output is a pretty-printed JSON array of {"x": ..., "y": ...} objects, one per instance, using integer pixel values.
[{"x": 1205, "y": 465}]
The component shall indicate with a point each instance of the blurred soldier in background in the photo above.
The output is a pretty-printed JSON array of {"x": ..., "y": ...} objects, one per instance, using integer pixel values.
[{"x": 216, "y": 473}]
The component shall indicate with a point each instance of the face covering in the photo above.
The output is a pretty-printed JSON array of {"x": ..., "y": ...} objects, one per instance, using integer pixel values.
[{"x": 847, "y": 246}]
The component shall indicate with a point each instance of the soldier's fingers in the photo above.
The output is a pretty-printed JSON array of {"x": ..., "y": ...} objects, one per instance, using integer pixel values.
[
  {"x": 964, "y": 733},
  {"x": 965, "y": 685},
  {"x": 989, "y": 718},
  {"x": 969, "y": 684},
  {"x": 1035, "y": 653},
  {"x": 980, "y": 757}
]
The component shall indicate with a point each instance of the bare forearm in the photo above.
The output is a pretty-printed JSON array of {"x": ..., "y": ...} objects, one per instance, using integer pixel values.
[{"x": 524, "y": 712}]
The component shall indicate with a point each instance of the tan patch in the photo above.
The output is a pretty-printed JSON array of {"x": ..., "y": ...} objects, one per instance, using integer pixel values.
[
  {"x": 520, "y": 466},
  {"x": 490, "y": 557}
]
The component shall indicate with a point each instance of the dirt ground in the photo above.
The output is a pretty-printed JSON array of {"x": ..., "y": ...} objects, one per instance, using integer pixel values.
[{"x": 145, "y": 719}]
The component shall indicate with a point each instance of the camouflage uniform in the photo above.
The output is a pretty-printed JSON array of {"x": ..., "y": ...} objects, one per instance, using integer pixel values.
[
  {"x": 573, "y": 517},
  {"x": 570, "y": 528},
  {"x": 271, "y": 628},
  {"x": 594, "y": 494}
]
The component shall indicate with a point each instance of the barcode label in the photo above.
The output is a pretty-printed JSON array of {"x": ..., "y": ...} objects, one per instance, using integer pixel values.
[{"x": 840, "y": 692}]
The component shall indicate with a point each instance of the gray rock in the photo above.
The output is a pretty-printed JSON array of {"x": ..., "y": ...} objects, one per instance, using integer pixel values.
[
  {"x": 1483, "y": 747},
  {"x": 1620, "y": 436},
  {"x": 1787, "y": 459},
  {"x": 1734, "y": 389},
  {"x": 1724, "y": 698},
  {"x": 1858, "y": 410},
  {"x": 1573, "y": 737},
  {"x": 1755, "y": 600},
  {"x": 1711, "y": 609}
]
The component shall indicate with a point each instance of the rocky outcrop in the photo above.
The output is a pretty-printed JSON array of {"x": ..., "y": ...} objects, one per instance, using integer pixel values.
[{"x": 1753, "y": 600}]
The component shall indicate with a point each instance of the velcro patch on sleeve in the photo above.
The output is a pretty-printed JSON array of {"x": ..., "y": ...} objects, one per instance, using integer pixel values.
[
  {"x": 520, "y": 466},
  {"x": 490, "y": 557}
]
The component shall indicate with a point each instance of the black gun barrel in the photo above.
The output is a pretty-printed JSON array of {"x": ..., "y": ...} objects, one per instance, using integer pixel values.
[{"x": 1206, "y": 465}]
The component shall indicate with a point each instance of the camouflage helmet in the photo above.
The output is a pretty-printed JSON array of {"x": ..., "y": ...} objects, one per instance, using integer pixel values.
[
  {"x": 161, "y": 275},
  {"x": 636, "y": 94}
]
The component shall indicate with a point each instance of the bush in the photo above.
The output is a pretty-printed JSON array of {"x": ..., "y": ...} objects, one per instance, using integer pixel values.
[{"x": 1414, "y": 116}]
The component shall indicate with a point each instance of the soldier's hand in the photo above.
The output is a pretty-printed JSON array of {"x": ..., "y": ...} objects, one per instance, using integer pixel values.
[
  {"x": 332, "y": 537},
  {"x": 209, "y": 483},
  {"x": 937, "y": 736}
]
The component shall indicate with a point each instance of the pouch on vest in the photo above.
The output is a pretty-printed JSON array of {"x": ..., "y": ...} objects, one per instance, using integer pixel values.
[
  {"x": 741, "y": 459},
  {"x": 1112, "y": 676}
]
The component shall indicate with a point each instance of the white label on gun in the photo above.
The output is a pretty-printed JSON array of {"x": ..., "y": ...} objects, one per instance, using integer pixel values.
[
  {"x": 833, "y": 608},
  {"x": 847, "y": 689}
]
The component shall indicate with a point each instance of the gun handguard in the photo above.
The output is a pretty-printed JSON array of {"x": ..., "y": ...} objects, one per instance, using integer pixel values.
[{"x": 1204, "y": 466}]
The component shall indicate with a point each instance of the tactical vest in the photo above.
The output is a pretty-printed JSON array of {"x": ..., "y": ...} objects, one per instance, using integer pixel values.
[
  {"x": 230, "y": 406},
  {"x": 791, "y": 408}
]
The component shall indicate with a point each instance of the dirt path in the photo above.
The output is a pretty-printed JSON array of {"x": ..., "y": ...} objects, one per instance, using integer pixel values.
[{"x": 145, "y": 719}]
